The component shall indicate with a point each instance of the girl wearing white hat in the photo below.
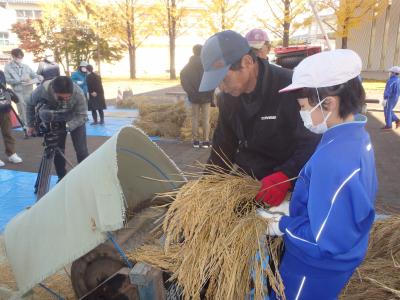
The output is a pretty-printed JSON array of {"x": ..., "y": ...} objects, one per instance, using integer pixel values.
[{"x": 326, "y": 224}]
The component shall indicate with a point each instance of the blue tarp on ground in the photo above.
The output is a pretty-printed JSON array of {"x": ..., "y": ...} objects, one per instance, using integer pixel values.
[
  {"x": 111, "y": 126},
  {"x": 16, "y": 193},
  {"x": 112, "y": 123}
]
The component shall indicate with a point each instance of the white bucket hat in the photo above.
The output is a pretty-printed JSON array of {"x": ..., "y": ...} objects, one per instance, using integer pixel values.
[
  {"x": 395, "y": 69},
  {"x": 325, "y": 69},
  {"x": 83, "y": 64}
]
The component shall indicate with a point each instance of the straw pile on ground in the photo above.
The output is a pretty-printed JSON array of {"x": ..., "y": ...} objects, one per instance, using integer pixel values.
[
  {"x": 213, "y": 238},
  {"x": 171, "y": 120},
  {"x": 164, "y": 120},
  {"x": 379, "y": 275}
]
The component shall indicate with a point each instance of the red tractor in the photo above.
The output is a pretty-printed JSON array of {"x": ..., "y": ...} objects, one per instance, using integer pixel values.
[{"x": 290, "y": 57}]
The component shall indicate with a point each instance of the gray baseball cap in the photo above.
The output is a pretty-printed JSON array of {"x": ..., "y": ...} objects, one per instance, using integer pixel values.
[{"x": 219, "y": 52}]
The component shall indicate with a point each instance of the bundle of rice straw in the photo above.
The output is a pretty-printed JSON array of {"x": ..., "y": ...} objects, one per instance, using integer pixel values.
[
  {"x": 378, "y": 276},
  {"x": 163, "y": 120},
  {"x": 215, "y": 242}
]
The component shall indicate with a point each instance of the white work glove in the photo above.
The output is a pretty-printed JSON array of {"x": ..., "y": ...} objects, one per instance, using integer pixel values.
[
  {"x": 282, "y": 208},
  {"x": 384, "y": 102},
  {"x": 79, "y": 82},
  {"x": 273, "y": 219}
]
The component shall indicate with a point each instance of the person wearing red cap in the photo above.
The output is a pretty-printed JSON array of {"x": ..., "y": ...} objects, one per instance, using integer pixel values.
[
  {"x": 259, "y": 42},
  {"x": 326, "y": 224}
]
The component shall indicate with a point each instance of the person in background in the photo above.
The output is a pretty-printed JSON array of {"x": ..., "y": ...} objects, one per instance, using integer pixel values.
[
  {"x": 190, "y": 76},
  {"x": 48, "y": 68},
  {"x": 54, "y": 94},
  {"x": 79, "y": 77},
  {"x": 259, "y": 130},
  {"x": 97, "y": 101},
  {"x": 326, "y": 224},
  {"x": 259, "y": 42},
  {"x": 21, "y": 78},
  {"x": 6, "y": 126},
  {"x": 391, "y": 97}
]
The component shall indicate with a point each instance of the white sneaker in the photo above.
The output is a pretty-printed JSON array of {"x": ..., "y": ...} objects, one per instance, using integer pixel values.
[
  {"x": 15, "y": 159},
  {"x": 2, "y": 164}
]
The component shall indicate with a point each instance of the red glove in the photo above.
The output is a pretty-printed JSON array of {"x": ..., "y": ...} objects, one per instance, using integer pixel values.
[{"x": 274, "y": 188}]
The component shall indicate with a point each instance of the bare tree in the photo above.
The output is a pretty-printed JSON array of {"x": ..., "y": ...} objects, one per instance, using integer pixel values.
[
  {"x": 287, "y": 17},
  {"x": 221, "y": 15},
  {"x": 170, "y": 17}
]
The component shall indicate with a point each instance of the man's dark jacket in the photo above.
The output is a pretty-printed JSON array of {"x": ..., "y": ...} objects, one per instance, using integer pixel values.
[
  {"x": 48, "y": 70},
  {"x": 191, "y": 76},
  {"x": 262, "y": 132},
  {"x": 2, "y": 78}
]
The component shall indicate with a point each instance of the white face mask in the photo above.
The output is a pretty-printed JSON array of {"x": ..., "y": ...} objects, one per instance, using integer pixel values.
[
  {"x": 18, "y": 60},
  {"x": 308, "y": 123}
]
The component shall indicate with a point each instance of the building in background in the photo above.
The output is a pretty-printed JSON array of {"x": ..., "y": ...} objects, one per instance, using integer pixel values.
[
  {"x": 11, "y": 12},
  {"x": 377, "y": 41},
  {"x": 312, "y": 35}
]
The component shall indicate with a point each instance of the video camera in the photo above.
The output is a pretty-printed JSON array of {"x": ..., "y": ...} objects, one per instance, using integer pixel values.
[{"x": 51, "y": 122}]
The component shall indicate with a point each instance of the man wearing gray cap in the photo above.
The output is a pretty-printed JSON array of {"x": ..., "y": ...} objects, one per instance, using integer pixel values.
[{"x": 259, "y": 130}]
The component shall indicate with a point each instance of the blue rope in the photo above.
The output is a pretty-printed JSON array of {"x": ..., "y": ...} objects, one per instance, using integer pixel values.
[
  {"x": 120, "y": 251},
  {"x": 57, "y": 296}
]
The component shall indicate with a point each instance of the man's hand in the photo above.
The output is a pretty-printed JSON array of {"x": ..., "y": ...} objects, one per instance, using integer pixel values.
[
  {"x": 273, "y": 221},
  {"x": 94, "y": 94},
  {"x": 274, "y": 189},
  {"x": 31, "y": 131}
]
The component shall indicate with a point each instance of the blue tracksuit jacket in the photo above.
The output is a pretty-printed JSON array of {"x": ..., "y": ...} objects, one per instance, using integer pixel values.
[
  {"x": 392, "y": 89},
  {"x": 80, "y": 77},
  {"x": 331, "y": 213},
  {"x": 391, "y": 94}
]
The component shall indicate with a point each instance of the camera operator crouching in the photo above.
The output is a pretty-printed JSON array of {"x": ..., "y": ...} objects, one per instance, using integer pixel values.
[{"x": 60, "y": 105}]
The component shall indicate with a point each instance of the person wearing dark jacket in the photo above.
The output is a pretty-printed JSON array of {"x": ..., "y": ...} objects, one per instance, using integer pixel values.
[
  {"x": 48, "y": 68},
  {"x": 191, "y": 76},
  {"x": 97, "y": 101},
  {"x": 259, "y": 130}
]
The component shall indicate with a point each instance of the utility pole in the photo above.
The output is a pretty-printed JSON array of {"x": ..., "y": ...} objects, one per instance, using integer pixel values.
[{"x": 319, "y": 23}]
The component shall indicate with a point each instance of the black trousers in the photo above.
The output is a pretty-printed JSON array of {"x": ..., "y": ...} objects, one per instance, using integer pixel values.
[
  {"x": 101, "y": 114},
  {"x": 78, "y": 137}
]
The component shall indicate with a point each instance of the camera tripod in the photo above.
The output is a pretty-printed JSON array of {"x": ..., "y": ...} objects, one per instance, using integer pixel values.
[
  {"x": 20, "y": 122},
  {"x": 42, "y": 183}
]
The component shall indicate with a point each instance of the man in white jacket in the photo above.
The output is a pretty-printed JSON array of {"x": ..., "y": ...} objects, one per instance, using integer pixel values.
[{"x": 21, "y": 78}]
